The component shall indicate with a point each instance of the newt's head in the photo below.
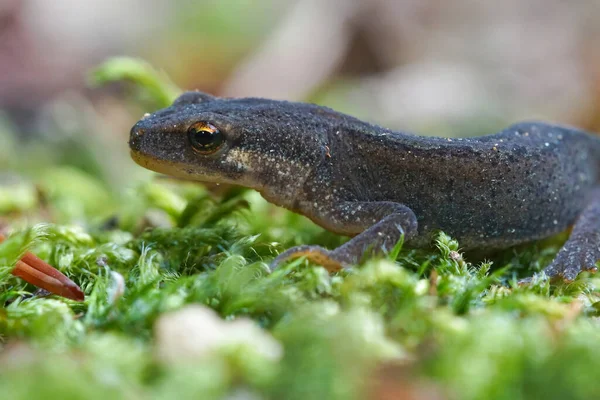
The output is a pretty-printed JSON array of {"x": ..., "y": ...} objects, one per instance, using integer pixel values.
[{"x": 263, "y": 144}]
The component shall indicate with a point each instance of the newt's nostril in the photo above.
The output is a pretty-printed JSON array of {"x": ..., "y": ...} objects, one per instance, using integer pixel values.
[
  {"x": 135, "y": 136},
  {"x": 136, "y": 131}
]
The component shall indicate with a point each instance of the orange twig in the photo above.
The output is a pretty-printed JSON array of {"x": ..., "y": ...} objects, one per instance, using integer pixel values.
[{"x": 41, "y": 274}]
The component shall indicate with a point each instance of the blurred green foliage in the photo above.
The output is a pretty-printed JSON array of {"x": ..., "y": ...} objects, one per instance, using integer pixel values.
[
  {"x": 469, "y": 330},
  {"x": 153, "y": 85}
]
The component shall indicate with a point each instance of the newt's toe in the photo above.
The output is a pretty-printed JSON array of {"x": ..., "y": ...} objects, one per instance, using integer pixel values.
[
  {"x": 577, "y": 255},
  {"x": 315, "y": 254}
]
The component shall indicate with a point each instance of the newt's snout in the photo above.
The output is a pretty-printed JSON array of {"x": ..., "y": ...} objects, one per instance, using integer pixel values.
[{"x": 135, "y": 137}]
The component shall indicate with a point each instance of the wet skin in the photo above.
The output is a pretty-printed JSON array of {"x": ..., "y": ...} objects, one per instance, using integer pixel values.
[{"x": 527, "y": 182}]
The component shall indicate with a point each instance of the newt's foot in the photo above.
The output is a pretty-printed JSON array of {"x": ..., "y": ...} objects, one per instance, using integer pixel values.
[
  {"x": 577, "y": 255},
  {"x": 317, "y": 254}
]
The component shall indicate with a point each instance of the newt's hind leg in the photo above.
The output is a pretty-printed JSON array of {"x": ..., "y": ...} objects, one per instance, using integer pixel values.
[
  {"x": 582, "y": 250},
  {"x": 381, "y": 225}
]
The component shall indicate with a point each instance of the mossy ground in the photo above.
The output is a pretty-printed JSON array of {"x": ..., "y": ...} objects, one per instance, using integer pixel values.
[{"x": 421, "y": 323}]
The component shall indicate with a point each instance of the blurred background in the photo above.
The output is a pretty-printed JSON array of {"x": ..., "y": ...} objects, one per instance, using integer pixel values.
[
  {"x": 456, "y": 68},
  {"x": 434, "y": 67}
]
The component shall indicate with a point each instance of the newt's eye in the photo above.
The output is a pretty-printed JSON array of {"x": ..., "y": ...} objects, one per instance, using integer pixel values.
[{"x": 205, "y": 137}]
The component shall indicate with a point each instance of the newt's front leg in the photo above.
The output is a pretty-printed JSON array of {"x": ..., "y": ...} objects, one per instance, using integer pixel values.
[
  {"x": 582, "y": 250},
  {"x": 378, "y": 226}
]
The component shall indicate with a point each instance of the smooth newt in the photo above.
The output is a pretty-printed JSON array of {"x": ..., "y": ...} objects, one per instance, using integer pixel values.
[{"x": 527, "y": 182}]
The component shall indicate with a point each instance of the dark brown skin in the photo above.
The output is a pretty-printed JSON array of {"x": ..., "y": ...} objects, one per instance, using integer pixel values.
[{"x": 528, "y": 182}]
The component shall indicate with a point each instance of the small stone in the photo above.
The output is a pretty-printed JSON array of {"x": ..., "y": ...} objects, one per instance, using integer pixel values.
[{"x": 196, "y": 331}]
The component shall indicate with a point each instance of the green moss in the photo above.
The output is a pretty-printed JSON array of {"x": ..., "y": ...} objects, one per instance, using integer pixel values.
[{"x": 469, "y": 329}]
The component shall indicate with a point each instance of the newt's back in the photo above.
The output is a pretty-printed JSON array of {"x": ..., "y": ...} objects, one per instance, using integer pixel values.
[{"x": 527, "y": 182}]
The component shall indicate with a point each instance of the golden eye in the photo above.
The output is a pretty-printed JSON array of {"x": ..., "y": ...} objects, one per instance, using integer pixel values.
[{"x": 204, "y": 137}]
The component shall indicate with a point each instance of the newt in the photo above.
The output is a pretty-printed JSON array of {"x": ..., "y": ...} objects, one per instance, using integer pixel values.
[{"x": 525, "y": 183}]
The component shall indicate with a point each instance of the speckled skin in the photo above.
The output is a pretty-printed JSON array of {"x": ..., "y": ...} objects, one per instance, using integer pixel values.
[{"x": 528, "y": 182}]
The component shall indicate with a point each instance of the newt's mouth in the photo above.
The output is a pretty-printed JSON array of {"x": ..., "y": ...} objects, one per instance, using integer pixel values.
[
  {"x": 170, "y": 168},
  {"x": 177, "y": 169}
]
